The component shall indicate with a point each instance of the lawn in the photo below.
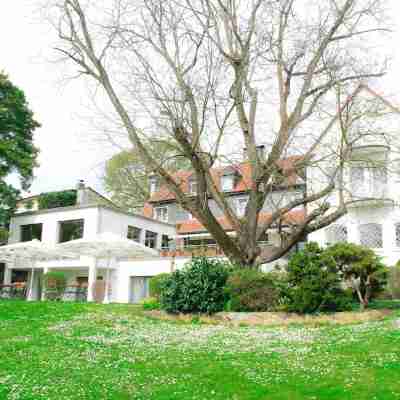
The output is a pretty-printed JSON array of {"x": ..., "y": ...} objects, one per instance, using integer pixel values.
[{"x": 88, "y": 351}]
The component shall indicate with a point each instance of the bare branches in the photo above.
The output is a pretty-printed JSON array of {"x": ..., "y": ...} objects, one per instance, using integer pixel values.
[{"x": 215, "y": 76}]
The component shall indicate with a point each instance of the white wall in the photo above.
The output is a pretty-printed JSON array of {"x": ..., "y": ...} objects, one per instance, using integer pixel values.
[
  {"x": 387, "y": 216},
  {"x": 50, "y": 221},
  {"x": 149, "y": 267},
  {"x": 117, "y": 223}
]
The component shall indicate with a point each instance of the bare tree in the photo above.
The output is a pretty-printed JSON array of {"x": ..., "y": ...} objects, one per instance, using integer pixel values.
[{"x": 217, "y": 75}]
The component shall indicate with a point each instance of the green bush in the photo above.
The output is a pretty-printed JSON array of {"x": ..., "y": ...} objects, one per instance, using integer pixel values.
[
  {"x": 63, "y": 198},
  {"x": 314, "y": 283},
  {"x": 197, "y": 288},
  {"x": 150, "y": 303},
  {"x": 393, "y": 286},
  {"x": 252, "y": 290},
  {"x": 155, "y": 284},
  {"x": 361, "y": 269}
]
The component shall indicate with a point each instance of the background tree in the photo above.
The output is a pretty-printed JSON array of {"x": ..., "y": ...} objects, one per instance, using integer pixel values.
[
  {"x": 127, "y": 178},
  {"x": 216, "y": 76},
  {"x": 17, "y": 151}
]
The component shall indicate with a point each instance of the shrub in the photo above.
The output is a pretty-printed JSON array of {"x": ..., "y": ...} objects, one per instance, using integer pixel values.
[
  {"x": 314, "y": 283},
  {"x": 155, "y": 284},
  {"x": 150, "y": 303},
  {"x": 361, "y": 268},
  {"x": 252, "y": 290},
  {"x": 393, "y": 286},
  {"x": 54, "y": 283},
  {"x": 64, "y": 198},
  {"x": 197, "y": 288}
]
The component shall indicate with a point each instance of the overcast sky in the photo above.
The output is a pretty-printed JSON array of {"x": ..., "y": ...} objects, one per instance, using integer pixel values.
[{"x": 67, "y": 151}]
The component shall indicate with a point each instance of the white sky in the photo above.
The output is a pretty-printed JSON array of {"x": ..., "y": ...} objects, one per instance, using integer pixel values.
[{"x": 68, "y": 153}]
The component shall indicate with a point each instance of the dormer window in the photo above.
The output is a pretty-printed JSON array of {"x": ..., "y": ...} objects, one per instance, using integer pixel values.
[
  {"x": 153, "y": 185},
  {"x": 241, "y": 204},
  {"x": 161, "y": 213},
  {"x": 227, "y": 182},
  {"x": 192, "y": 186}
]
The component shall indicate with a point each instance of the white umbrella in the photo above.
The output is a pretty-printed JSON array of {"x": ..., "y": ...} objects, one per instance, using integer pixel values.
[
  {"x": 32, "y": 251},
  {"x": 107, "y": 245}
]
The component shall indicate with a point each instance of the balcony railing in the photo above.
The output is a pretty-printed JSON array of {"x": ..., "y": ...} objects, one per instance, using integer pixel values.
[{"x": 206, "y": 250}]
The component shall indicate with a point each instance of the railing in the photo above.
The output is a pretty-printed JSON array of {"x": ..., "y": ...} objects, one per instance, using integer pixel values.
[
  {"x": 207, "y": 250},
  {"x": 13, "y": 291},
  {"x": 69, "y": 293}
]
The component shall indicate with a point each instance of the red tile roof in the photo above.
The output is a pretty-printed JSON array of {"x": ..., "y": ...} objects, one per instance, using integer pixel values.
[
  {"x": 243, "y": 171},
  {"x": 194, "y": 226}
]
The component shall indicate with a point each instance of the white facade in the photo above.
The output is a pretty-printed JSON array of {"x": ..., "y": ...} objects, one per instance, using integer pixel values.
[{"x": 96, "y": 220}]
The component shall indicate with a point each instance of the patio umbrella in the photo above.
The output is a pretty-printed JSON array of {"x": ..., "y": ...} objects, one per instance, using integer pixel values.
[
  {"x": 30, "y": 251},
  {"x": 108, "y": 246}
]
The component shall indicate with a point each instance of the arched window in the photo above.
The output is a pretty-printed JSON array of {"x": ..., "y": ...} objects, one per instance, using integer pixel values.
[
  {"x": 337, "y": 233},
  {"x": 371, "y": 235}
]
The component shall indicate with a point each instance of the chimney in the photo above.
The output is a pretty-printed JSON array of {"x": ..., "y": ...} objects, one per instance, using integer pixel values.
[{"x": 81, "y": 197}]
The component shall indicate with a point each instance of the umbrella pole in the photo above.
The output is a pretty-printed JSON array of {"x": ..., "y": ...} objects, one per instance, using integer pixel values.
[
  {"x": 107, "y": 285},
  {"x": 30, "y": 293}
]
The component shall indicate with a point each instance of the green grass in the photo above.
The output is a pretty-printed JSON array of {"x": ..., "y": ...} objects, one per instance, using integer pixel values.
[{"x": 88, "y": 351}]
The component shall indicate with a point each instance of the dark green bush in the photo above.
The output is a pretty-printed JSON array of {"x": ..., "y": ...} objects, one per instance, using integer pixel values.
[
  {"x": 197, "y": 288},
  {"x": 314, "y": 283},
  {"x": 252, "y": 290},
  {"x": 361, "y": 269},
  {"x": 155, "y": 284}
]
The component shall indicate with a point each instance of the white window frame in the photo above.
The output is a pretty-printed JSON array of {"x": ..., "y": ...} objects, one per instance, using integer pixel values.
[
  {"x": 153, "y": 185},
  {"x": 240, "y": 209},
  {"x": 362, "y": 240},
  {"x": 371, "y": 183},
  {"x": 163, "y": 217},
  {"x": 397, "y": 234},
  {"x": 225, "y": 179},
  {"x": 193, "y": 186}
]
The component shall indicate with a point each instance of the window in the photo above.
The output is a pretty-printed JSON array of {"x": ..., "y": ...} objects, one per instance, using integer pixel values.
[
  {"x": 379, "y": 181},
  {"x": 165, "y": 242},
  {"x": 368, "y": 182},
  {"x": 153, "y": 185},
  {"x": 397, "y": 232},
  {"x": 134, "y": 233},
  {"x": 151, "y": 239},
  {"x": 241, "y": 204},
  {"x": 30, "y": 232},
  {"x": 227, "y": 182},
  {"x": 264, "y": 238},
  {"x": 358, "y": 181},
  {"x": 192, "y": 186},
  {"x": 71, "y": 230},
  {"x": 371, "y": 235},
  {"x": 336, "y": 233},
  {"x": 161, "y": 213}
]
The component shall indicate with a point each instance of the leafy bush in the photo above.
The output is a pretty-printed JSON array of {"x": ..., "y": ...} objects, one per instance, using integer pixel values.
[
  {"x": 393, "y": 286},
  {"x": 54, "y": 283},
  {"x": 314, "y": 283},
  {"x": 198, "y": 288},
  {"x": 150, "y": 303},
  {"x": 155, "y": 284},
  {"x": 64, "y": 198},
  {"x": 252, "y": 290},
  {"x": 361, "y": 269}
]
